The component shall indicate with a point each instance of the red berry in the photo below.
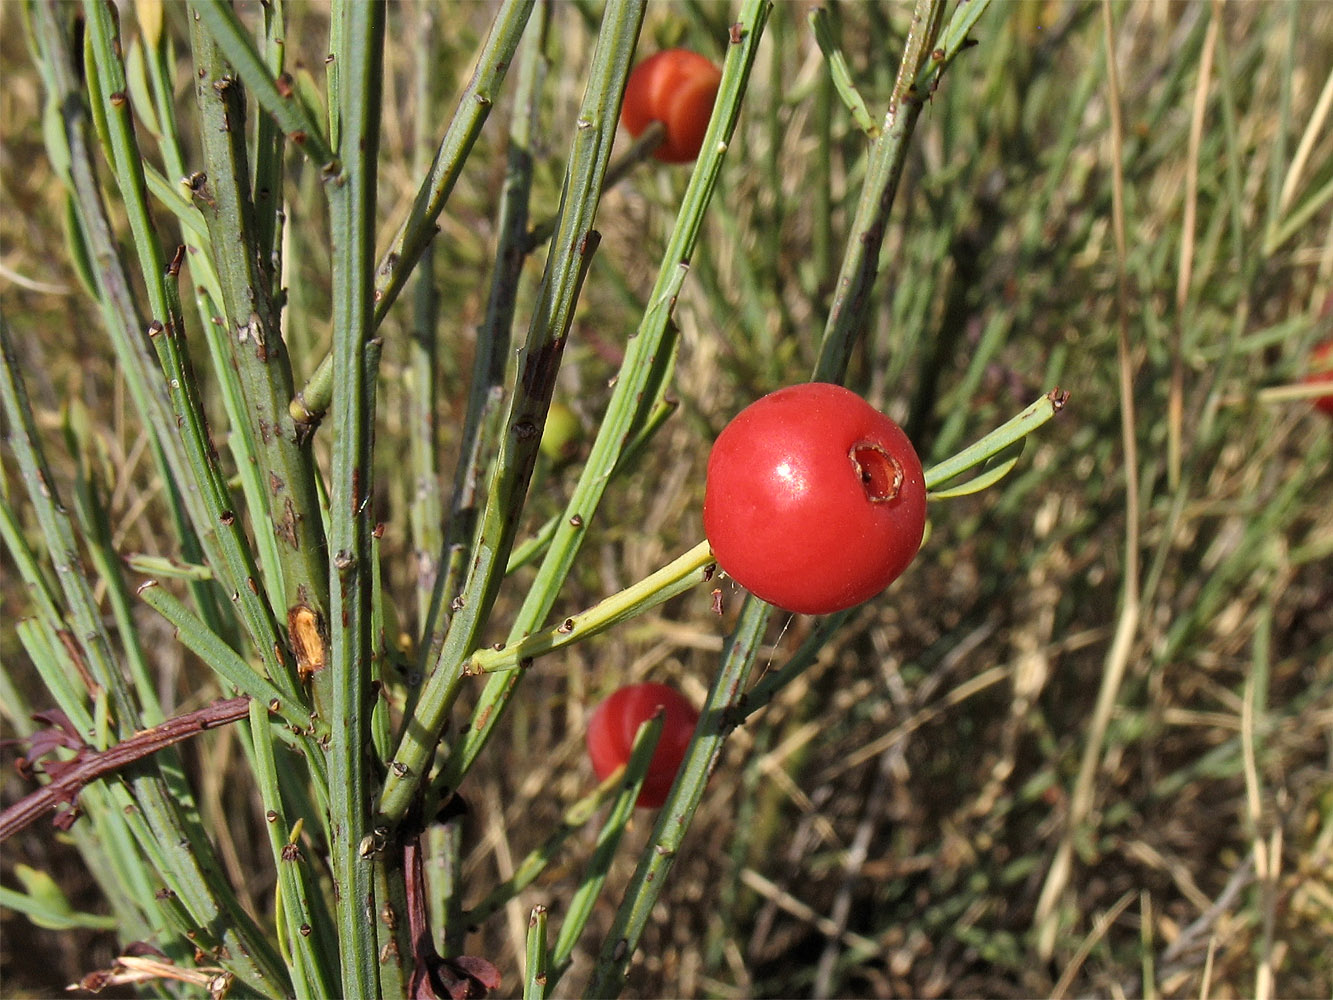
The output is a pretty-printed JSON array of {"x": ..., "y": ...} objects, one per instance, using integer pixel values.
[
  {"x": 614, "y": 723},
  {"x": 676, "y": 87},
  {"x": 815, "y": 501},
  {"x": 1321, "y": 370}
]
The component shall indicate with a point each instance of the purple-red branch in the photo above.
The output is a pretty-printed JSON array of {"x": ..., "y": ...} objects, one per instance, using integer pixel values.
[
  {"x": 462, "y": 977},
  {"x": 69, "y": 776}
]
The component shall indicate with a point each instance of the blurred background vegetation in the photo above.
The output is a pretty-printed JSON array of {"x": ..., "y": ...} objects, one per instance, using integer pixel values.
[{"x": 1085, "y": 744}]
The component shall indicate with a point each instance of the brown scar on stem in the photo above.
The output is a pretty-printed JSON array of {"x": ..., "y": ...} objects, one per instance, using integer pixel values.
[{"x": 306, "y": 633}]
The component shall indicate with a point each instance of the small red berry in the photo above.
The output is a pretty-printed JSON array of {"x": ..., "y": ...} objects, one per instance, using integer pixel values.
[
  {"x": 614, "y": 723},
  {"x": 1321, "y": 371},
  {"x": 815, "y": 501},
  {"x": 676, "y": 87}
]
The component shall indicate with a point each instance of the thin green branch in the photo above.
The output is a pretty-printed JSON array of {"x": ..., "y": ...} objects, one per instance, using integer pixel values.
[
  {"x": 636, "y": 401},
  {"x": 494, "y": 337},
  {"x": 277, "y": 95},
  {"x": 314, "y": 972},
  {"x": 166, "y": 333},
  {"x": 571, "y": 251},
  {"x": 679, "y": 575},
  {"x": 420, "y": 227},
  {"x": 630, "y": 781},
  {"x": 97, "y": 256},
  {"x": 188, "y": 867},
  {"x": 721, "y": 713},
  {"x": 540, "y": 857},
  {"x": 426, "y": 511},
  {"x": 884, "y": 169},
  {"x": 221, "y": 658},
  {"x": 86, "y": 631},
  {"x": 352, "y": 210},
  {"x": 997, "y": 441},
  {"x": 535, "y": 968},
  {"x": 242, "y": 251},
  {"x": 839, "y": 72}
]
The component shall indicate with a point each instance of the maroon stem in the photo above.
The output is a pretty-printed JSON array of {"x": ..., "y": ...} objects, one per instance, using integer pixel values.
[{"x": 69, "y": 777}]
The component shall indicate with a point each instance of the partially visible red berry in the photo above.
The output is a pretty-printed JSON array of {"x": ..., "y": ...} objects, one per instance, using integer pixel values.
[
  {"x": 1321, "y": 371},
  {"x": 676, "y": 87},
  {"x": 614, "y": 723}
]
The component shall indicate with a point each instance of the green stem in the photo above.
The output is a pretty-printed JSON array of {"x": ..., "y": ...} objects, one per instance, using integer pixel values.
[
  {"x": 649, "y": 357},
  {"x": 571, "y": 252},
  {"x": 541, "y": 856},
  {"x": 94, "y": 244},
  {"x": 419, "y": 229},
  {"x": 357, "y": 111},
  {"x": 534, "y": 977},
  {"x": 185, "y": 860},
  {"x": 215, "y": 512},
  {"x": 426, "y": 511},
  {"x": 630, "y": 781},
  {"x": 720, "y": 715},
  {"x": 679, "y": 575},
  {"x": 822, "y": 27},
  {"x": 884, "y": 169},
  {"x": 494, "y": 337},
  {"x": 314, "y": 972},
  {"x": 276, "y": 95},
  {"x": 1006, "y": 435},
  {"x": 242, "y": 252}
]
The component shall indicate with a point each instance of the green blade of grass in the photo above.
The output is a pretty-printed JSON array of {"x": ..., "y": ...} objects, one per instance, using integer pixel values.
[
  {"x": 95, "y": 649},
  {"x": 95, "y": 528}
]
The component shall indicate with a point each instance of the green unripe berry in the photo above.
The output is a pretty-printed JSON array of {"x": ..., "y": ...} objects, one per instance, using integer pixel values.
[{"x": 562, "y": 435}]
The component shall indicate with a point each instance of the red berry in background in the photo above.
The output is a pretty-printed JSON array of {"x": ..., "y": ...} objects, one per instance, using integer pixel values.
[
  {"x": 614, "y": 723},
  {"x": 1321, "y": 371},
  {"x": 676, "y": 87},
  {"x": 815, "y": 501}
]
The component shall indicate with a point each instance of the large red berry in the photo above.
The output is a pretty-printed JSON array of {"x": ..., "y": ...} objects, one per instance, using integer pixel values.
[
  {"x": 614, "y": 723},
  {"x": 1321, "y": 371},
  {"x": 677, "y": 88},
  {"x": 815, "y": 501}
]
